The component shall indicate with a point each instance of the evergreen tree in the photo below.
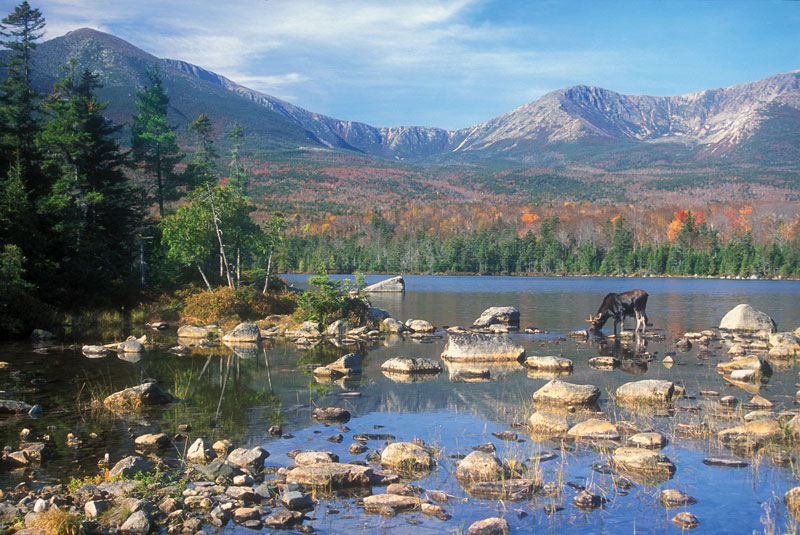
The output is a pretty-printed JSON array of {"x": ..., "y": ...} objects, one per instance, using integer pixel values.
[
  {"x": 153, "y": 140},
  {"x": 92, "y": 210},
  {"x": 18, "y": 100},
  {"x": 239, "y": 179},
  {"x": 202, "y": 167}
]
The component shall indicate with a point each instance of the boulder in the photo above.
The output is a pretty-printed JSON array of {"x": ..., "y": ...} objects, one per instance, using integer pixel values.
[
  {"x": 394, "y": 326},
  {"x": 563, "y": 393},
  {"x": 745, "y": 318},
  {"x": 495, "y": 315},
  {"x": 648, "y": 440},
  {"x": 548, "y": 423},
  {"x": 676, "y": 498},
  {"x": 193, "y": 332},
  {"x": 138, "y": 523},
  {"x": 309, "y": 329},
  {"x": 642, "y": 461},
  {"x": 556, "y": 364},
  {"x": 307, "y": 458},
  {"x": 331, "y": 415},
  {"x": 12, "y": 406},
  {"x": 151, "y": 441},
  {"x": 337, "y": 329},
  {"x": 200, "y": 452},
  {"x": 376, "y": 315},
  {"x": 595, "y": 429},
  {"x": 41, "y": 335},
  {"x": 131, "y": 345},
  {"x": 349, "y": 364},
  {"x": 489, "y": 526},
  {"x": 408, "y": 365},
  {"x": 243, "y": 333},
  {"x": 130, "y": 466},
  {"x": 686, "y": 520},
  {"x": 792, "y": 500},
  {"x": 331, "y": 475},
  {"x": 138, "y": 398},
  {"x": 420, "y": 326},
  {"x": 94, "y": 352},
  {"x": 752, "y": 362},
  {"x": 480, "y": 466},
  {"x": 477, "y": 347},
  {"x": 395, "y": 284},
  {"x": 407, "y": 457},
  {"x": 759, "y": 429},
  {"x": 646, "y": 391},
  {"x": 249, "y": 458}
]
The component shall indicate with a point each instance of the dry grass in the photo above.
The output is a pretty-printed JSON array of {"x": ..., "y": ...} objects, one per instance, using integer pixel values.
[{"x": 58, "y": 522}]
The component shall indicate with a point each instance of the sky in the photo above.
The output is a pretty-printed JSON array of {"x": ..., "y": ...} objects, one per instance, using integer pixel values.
[{"x": 450, "y": 63}]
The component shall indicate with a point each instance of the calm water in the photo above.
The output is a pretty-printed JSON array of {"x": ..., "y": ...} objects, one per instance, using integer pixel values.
[{"x": 239, "y": 396}]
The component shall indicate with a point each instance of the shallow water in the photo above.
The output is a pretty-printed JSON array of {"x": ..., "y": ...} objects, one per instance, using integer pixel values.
[{"x": 240, "y": 396}]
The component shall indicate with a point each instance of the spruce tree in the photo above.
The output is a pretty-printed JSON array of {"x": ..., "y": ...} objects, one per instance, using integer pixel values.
[{"x": 153, "y": 140}]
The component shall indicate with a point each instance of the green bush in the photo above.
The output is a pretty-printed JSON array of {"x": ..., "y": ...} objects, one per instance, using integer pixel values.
[
  {"x": 329, "y": 301},
  {"x": 226, "y": 306}
]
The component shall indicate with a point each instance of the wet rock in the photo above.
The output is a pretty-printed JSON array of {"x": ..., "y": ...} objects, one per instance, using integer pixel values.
[
  {"x": 563, "y": 393},
  {"x": 11, "y": 406},
  {"x": 193, "y": 332},
  {"x": 397, "y": 503},
  {"x": 407, "y": 457},
  {"x": 507, "y": 436},
  {"x": 752, "y": 362},
  {"x": 131, "y": 345},
  {"x": 604, "y": 363},
  {"x": 331, "y": 415},
  {"x": 506, "y": 489},
  {"x": 686, "y": 520},
  {"x": 486, "y": 448},
  {"x": 477, "y": 347},
  {"x": 138, "y": 397},
  {"x": 648, "y": 440},
  {"x": 357, "y": 448},
  {"x": 419, "y": 326},
  {"x": 557, "y": 364},
  {"x": 489, "y": 526},
  {"x": 480, "y": 466},
  {"x": 587, "y": 500},
  {"x": 200, "y": 452},
  {"x": 18, "y": 458},
  {"x": 728, "y": 401},
  {"x": 642, "y": 461},
  {"x": 675, "y": 498},
  {"x": 130, "y": 466},
  {"x": 429, "y": 509},
  {"x": 331, "y": 475},
  {"x": 497, "y": 315},
  {"x": 243, "y": 333},
  {"x": 249, "y": 458},
  {"x": 138, "y": 523},
  {"x": 294, "y": 500},
  {"x": 394, "y": 284},
  {"x": 647, "y": 391},
  {"x": 152, "y": 441},
  {"x": 745, "y": 318},
  {"x": 594, "y": 428},
  {"x": 406, "y": 365},
  {"x": 95, "y": 351},
  {"x": 307, "y": 458}
]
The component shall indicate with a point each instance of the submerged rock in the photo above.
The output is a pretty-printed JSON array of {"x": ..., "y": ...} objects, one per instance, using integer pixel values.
[
  {"x": 686, "y": 520},
  {"x": 676, "y": 498},
  {"x": 477, "y": 347},
  {"x": 642, "y": 461}
]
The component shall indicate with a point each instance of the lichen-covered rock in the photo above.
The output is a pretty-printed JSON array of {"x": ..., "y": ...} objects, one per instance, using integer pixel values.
[
  {"x": 407, "y": 457},
  {"x": 747, "y": 319},
  {"x": 243, "y": 333},
  {"x": 480, "y": 466},
  {"x": 496, "y": 315},
  {"x": 792, "y": 500},
  {"x": 563, "y": 393},
  {"x": 646, "y": 391},
  {"x": 477, "y": 347},
  {"x": 138, "y": 397}
]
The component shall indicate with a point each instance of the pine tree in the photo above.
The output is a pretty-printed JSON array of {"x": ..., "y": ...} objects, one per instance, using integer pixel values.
[
  {"x": 202, "y": 167},
  {"x": 18, "y": 100},
  {"x": 153, "y": 140},
  {"x": 92, "y": 208}
]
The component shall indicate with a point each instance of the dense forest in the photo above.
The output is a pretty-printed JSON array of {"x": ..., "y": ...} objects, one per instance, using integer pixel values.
[{"x": 94, "y": 215}]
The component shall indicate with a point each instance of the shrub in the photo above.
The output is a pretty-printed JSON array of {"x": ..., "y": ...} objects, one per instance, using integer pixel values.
[
  {"x": 227, "y": 306},
  {"x": 329, "y": 301}
]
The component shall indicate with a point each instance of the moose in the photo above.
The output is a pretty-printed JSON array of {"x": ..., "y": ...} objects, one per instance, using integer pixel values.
[{"x": 618, "y": 306}]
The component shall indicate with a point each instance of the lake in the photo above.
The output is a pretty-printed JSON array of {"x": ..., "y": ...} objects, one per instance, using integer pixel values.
[{"x": 225, "y": 395}]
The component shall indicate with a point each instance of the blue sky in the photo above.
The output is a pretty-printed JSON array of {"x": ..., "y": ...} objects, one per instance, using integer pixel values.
[{"x": 451, "y": 63}]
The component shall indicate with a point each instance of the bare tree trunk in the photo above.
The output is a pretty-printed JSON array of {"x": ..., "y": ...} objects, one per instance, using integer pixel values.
[
  {"x": 219, "y": 238},
  {"x": 205, "y": 279},
  {"x": 238, "y": 266},
  {"x": 269, "y": 272}
]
